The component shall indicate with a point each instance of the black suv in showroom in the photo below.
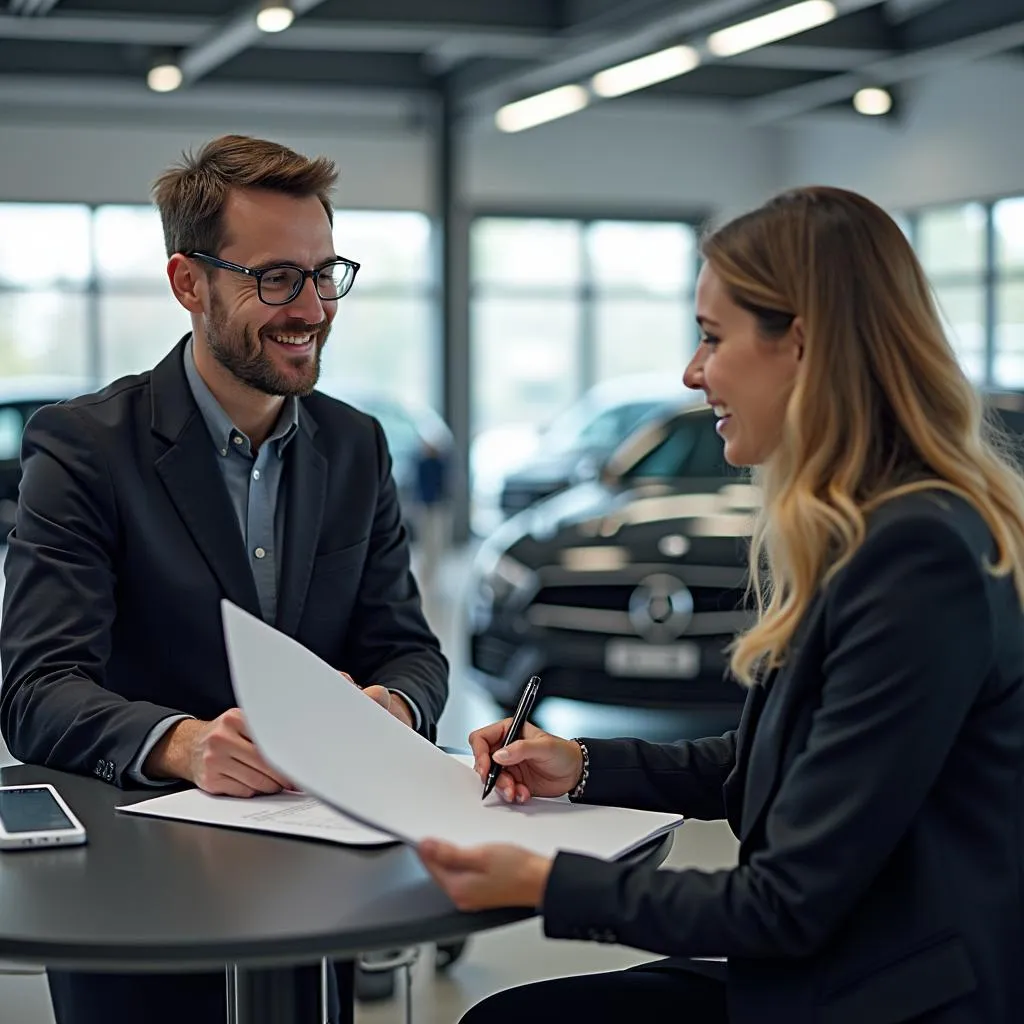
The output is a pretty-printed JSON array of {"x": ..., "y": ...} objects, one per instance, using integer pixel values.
[{"x": 625, "y": 590}]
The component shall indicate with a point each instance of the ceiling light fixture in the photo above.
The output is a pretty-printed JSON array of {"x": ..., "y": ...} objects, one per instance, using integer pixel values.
[
  {"x": 769, "y": 28},
  {"x": 645, "y": 71},
  {"x": 274, "y": 16},
  {"x": 545, "y": 106},
  {"x": 164, "y": 76},
  {"x": 872, "y": 101}
]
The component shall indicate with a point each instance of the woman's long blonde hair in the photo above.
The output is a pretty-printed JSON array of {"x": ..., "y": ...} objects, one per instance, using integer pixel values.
[{"x": 880, "y": 408}]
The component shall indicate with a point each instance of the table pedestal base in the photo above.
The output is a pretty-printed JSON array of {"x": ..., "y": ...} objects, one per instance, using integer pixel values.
[{"x": 290, "y": 995}]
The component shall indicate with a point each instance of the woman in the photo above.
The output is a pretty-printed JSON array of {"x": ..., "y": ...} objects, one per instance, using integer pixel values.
[{"x": 876, "y": 780}]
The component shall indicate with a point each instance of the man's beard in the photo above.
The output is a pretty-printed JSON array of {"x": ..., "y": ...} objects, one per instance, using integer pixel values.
[{"x": 241, "y": 351}]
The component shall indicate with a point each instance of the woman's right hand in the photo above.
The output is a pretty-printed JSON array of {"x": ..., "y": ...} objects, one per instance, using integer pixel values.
[{"x": 537, "y": 764}]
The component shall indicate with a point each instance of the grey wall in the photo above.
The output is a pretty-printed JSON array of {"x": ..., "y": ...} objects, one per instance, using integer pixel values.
[
  {"x": 961, "y": 136},
  {"x": 94, "y": 160},
  {"x": 628, "y": 158},
  {"x": 638, "y": 159}
]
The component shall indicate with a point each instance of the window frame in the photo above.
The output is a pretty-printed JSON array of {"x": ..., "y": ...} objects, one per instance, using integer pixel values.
[
  {"x": 96, "y": 287},
  {"x": 990, "y": 276},
  {"x": 587, "y": 293}
]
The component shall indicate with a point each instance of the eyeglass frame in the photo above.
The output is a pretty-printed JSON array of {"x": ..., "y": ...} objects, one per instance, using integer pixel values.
[{"x": 258, "y": 272}]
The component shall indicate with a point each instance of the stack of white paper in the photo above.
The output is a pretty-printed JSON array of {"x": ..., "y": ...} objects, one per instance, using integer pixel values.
[
  {"x": 338, "y": 745},
  {"x": 286, "y": 814}
]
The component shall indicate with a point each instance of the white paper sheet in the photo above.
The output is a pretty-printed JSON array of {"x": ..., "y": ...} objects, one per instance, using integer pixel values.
[
  {"x": 290, "y": 814},
  {"x": 336, "y": 743}
]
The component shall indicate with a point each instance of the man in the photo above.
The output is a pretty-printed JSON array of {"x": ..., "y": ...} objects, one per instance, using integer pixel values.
[{"x": 220, "y": 473}]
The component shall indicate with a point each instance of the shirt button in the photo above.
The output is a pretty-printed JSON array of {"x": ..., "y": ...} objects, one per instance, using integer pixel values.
[
  {"x": 259, "y": 552},
  {"x": 236, "y": 439},
  {"x": 255, "y": 474},
  {"x": 223, "y": 451}
]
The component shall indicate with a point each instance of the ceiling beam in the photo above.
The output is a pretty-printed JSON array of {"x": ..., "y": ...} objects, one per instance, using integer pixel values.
[
  {"x": 447, "y": 45},
  {"x": 238, "y": 33},
  {"x": 71, "y": 28},
  {"x": 349, "y": 37},
  {"x": 22, "y": 95},
  {"x": 461, "y": 40},
  {"x": 803, "y": 98},
  {"x": 809, "y": 58},
  {"x": 582, "y": 16},
  {"x": 580, "y": 57},
  {"x": 35, "y": 8},
  {"x": 898, "y": 11}
]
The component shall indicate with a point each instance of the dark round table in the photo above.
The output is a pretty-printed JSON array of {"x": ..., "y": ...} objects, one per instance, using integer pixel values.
[{"x": 152, "y": 895}]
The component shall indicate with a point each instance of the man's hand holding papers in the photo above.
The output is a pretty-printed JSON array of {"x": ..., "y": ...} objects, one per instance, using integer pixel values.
[
  {"x": 394, "y": 703},
  {"x": 219, "y": 757}
]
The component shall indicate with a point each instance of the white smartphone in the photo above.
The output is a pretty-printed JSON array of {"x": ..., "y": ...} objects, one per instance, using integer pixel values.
[{"x": 36, "y": 816}]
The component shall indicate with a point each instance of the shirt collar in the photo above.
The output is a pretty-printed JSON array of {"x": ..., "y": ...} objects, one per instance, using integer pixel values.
[{"x": 219, "y": 424}]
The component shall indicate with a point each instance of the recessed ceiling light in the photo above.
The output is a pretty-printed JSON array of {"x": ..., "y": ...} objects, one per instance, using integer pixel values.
[
  {"x": 872, "y": 102},
  {"x": 274, "y": 16},
  {"x": 645, "y": 71},
  {"x": 769, "y": 28},
  {"x": 545, "y": 106},
  {"x": 164, "y": 77}
]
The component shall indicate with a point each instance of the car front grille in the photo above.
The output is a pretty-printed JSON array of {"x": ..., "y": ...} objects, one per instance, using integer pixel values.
[
  {"x": 615, "y": 597},
  {"x": 604, "y": 608}
]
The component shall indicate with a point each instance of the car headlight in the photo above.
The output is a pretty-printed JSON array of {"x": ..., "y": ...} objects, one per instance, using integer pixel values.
[
  {"x": 509, "y": 577},
  {"x": 502, "y": 577}
]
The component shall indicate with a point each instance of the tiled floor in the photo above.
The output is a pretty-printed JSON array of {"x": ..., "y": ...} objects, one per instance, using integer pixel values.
[{"x": 518, "y": 953}]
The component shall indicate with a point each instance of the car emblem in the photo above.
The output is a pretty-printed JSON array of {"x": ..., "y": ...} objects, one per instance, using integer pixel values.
[
  {"x": 661, "y": 607},
  {"x": 674, "y": 545}
]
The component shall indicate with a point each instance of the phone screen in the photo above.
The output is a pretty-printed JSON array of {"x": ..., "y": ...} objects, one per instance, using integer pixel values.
[{"x": 31, "y": 810}]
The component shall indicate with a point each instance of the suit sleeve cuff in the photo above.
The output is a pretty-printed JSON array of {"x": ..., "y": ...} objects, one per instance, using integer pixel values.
[
  {"x": 417, "y": 715},
  {"x": 156, "y": 734},
  {"x": 580, "y": 899}
]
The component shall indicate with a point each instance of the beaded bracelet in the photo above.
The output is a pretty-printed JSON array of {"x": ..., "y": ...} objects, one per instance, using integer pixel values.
[{"x": 576, "y": 793}]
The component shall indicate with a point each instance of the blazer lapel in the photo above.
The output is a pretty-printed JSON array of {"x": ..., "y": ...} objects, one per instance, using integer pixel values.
[
  {"x": 188, "y": 469},
  {"x": 766, "y": 747},
  {"x": 306, "y": 484},
  {"x": 749, "y": 717}
]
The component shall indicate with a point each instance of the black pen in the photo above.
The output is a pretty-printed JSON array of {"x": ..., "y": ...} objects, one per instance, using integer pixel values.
[{"x": 523, "y": 709}]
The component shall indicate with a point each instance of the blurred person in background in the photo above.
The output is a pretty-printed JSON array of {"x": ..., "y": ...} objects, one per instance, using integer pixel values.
[
  {"x": 433, "y": 511},
  {"x": 875, "y": 779}
]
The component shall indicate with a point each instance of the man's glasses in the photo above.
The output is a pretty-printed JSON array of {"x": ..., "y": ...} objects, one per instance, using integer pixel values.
[{"x": 280, "y": 284}]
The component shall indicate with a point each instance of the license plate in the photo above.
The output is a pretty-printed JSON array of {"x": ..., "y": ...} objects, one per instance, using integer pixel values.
[{"x": 636, "y": 658}]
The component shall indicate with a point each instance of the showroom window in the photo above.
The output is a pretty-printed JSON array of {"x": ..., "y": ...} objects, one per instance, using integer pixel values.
[
  {"x": 385, "y": 338},
  {"x": 1008, "y": 283},
  {"x": 84, "y": 295},
  {"x": 138, "y": 319},
  {"x": 973, "y": 254},
  {"x": 561, "y": 304},
  {"x": 45, "y": 279},
  {"x": 951, "y": 242}
]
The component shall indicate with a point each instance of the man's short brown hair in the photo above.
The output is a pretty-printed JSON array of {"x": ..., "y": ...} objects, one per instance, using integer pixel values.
[{"x": 191, "y": 195}]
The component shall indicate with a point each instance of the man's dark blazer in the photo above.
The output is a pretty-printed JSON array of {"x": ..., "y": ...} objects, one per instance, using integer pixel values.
[
  {"x": 125, "y": 542},
  {"x": 876, "y": 785}
]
